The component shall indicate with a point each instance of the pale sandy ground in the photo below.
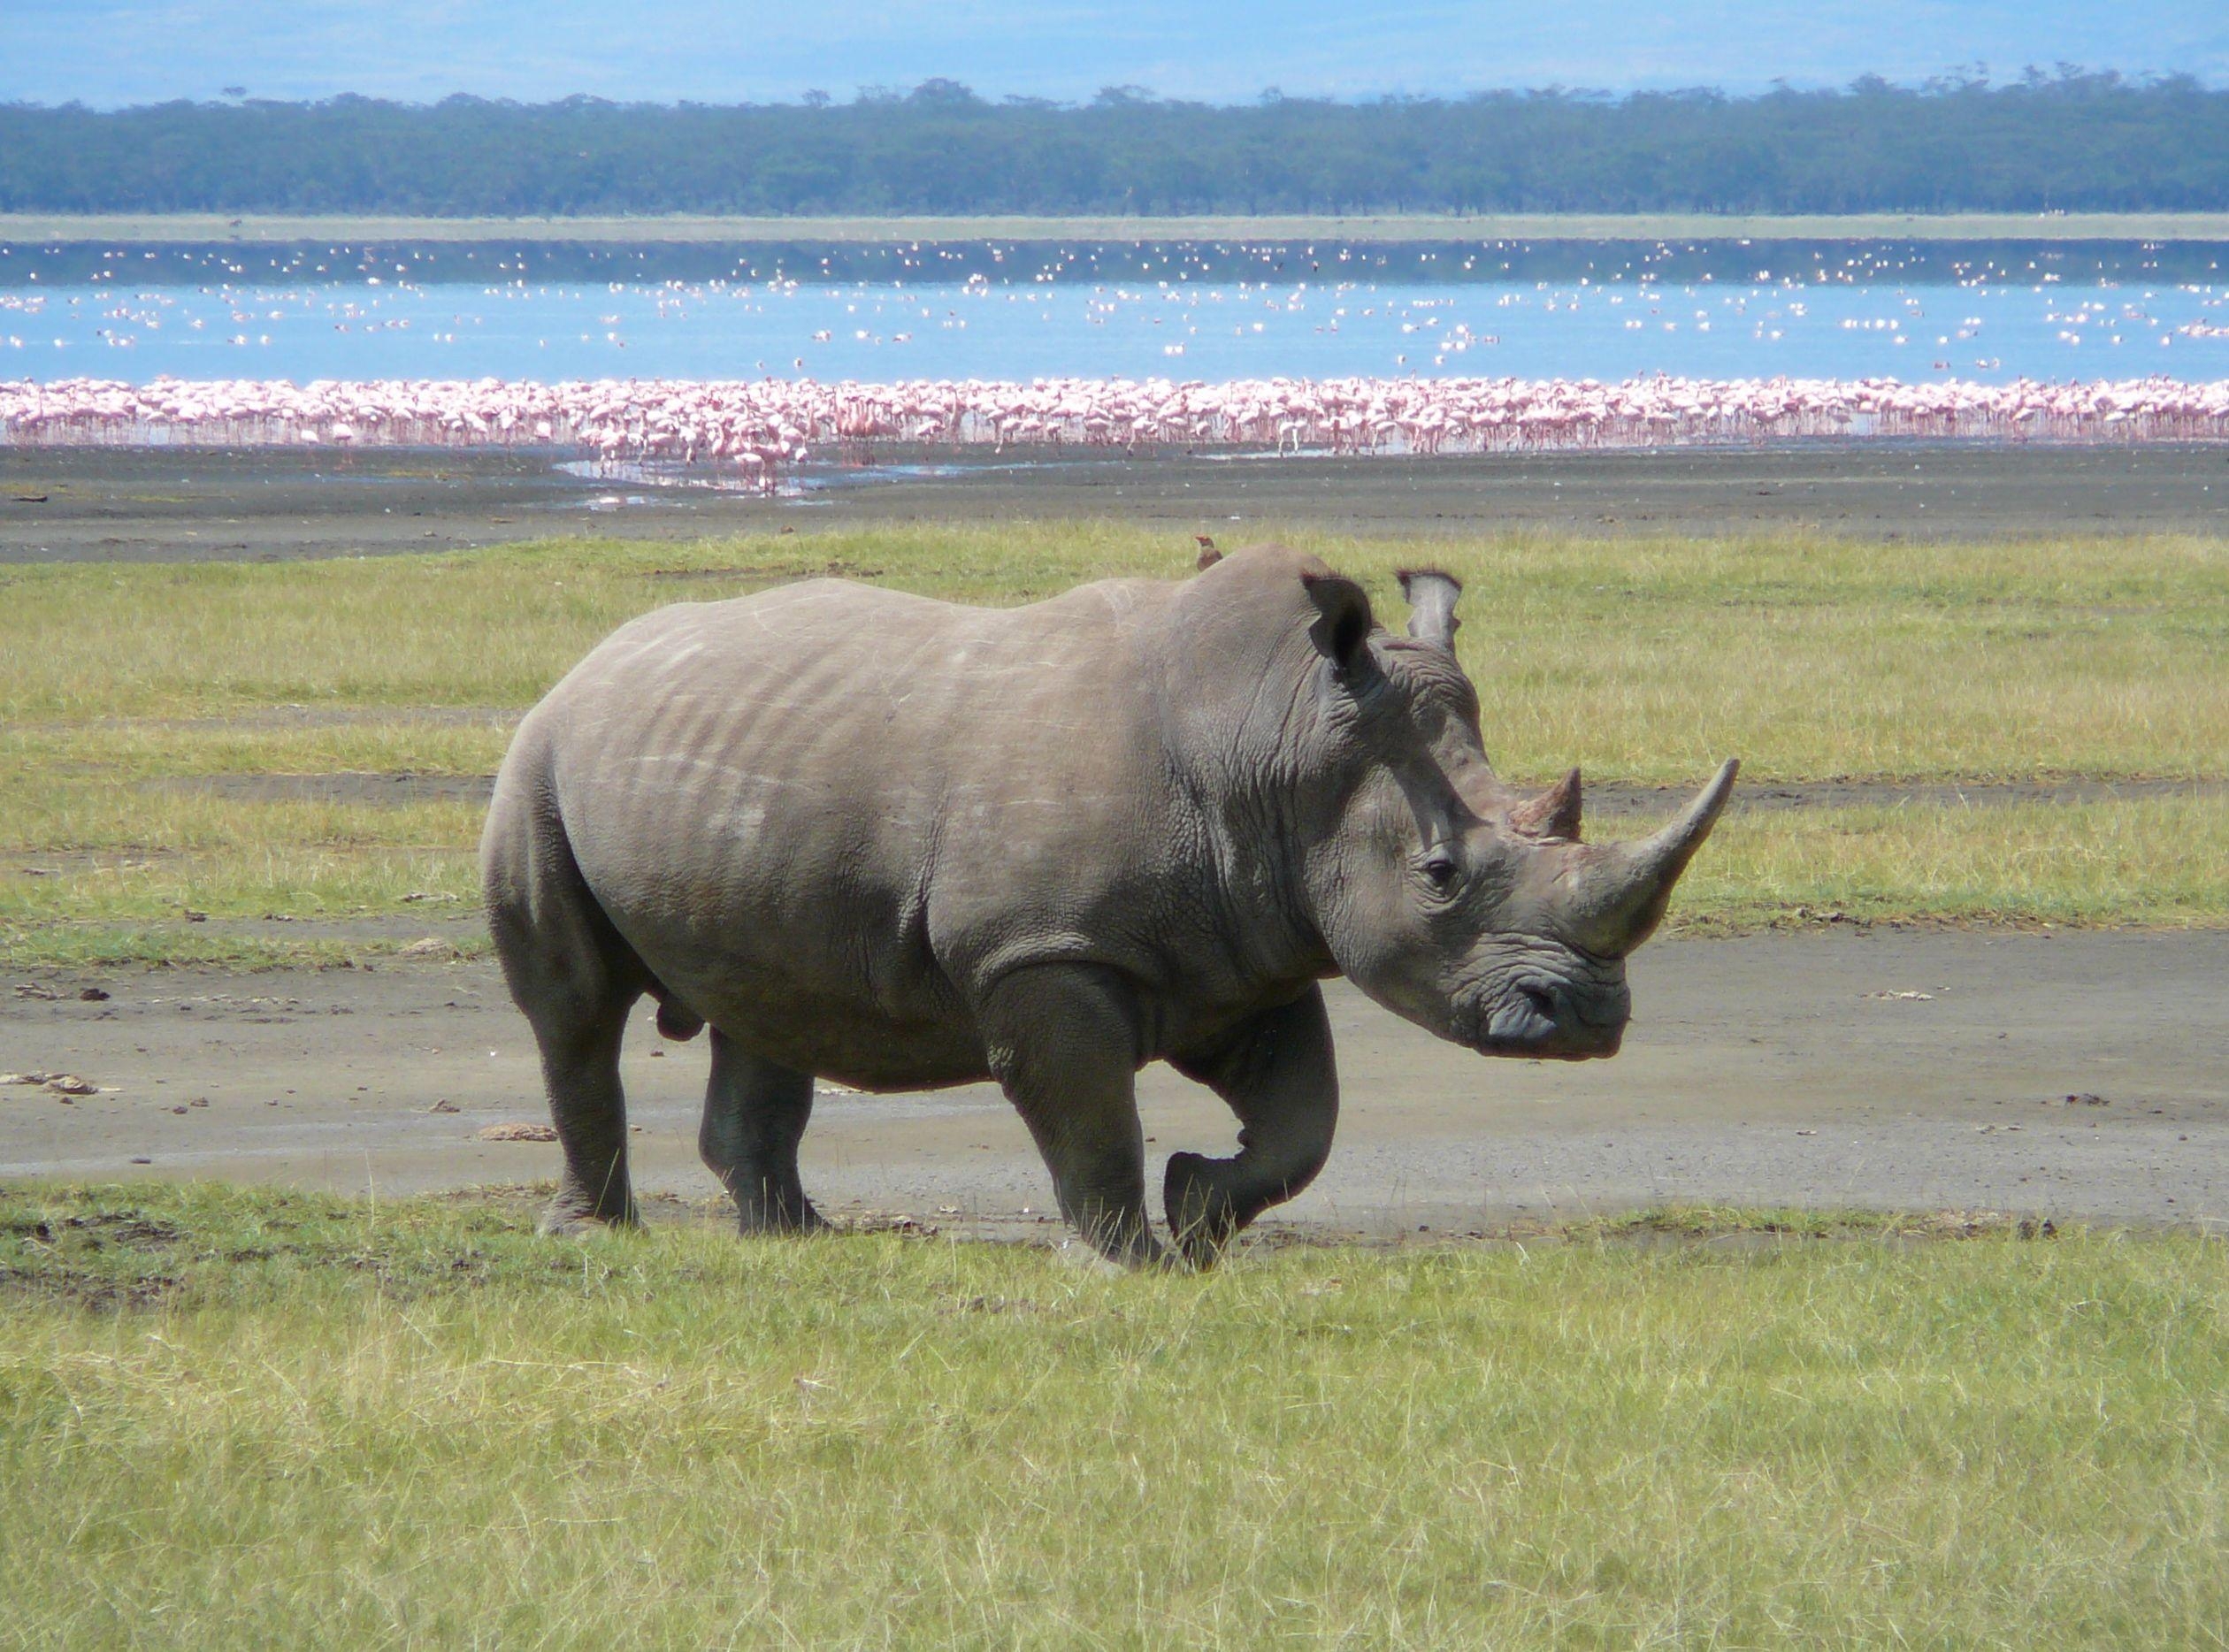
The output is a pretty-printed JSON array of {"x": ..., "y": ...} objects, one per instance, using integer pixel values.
[{"x": 1776, "y": 1069}]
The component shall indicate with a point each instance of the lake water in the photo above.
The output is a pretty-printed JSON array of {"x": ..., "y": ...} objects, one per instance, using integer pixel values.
[{"x": 1027, "y": 324}]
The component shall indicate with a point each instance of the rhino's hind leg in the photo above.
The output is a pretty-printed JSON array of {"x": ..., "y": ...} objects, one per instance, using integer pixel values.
[
  {"x": 1277, "y": 1073},
  {"x": 754, "y": 1114},
  {"x": 1063, "y": 1044},
  {"x": 576, "y": 979},
  {"x": 581, "y": 1065}
]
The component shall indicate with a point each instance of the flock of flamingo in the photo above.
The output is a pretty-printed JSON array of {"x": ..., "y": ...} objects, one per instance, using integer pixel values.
[{"x": 759, "y": 429}]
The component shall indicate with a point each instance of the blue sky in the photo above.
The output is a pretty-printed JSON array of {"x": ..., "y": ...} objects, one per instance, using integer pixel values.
[{"x": 108, "y": 52}]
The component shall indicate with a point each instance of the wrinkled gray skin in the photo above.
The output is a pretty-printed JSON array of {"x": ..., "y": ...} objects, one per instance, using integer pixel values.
[{"x": 898, "y": 843}]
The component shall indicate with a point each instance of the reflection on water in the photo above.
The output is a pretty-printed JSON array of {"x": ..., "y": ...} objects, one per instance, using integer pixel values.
[{"x": 802, "y": 482}]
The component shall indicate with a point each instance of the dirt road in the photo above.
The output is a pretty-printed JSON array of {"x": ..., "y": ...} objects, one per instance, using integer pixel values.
[{"x": 1901, "y": 1070}]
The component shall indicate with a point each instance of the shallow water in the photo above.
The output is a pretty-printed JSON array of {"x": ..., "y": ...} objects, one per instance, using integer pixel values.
[{"x": 397, "y": 328}]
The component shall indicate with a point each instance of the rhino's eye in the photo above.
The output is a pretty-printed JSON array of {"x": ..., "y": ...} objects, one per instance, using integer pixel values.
[{"x": 1439, "y": 869}]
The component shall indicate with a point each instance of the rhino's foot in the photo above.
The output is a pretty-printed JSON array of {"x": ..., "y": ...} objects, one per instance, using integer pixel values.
[
  {"x": 1129, "y": 1247},
  {"x": 569, "y": 1215},
  {"x": 781, "y": 1219},
  {"x": 1203, "y": 1215},
  {"x": 777, "y": 1210},
  {"x": 1085, "y": 1257}
]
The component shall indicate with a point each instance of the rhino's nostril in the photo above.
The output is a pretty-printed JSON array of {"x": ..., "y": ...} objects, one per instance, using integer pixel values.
[
  {"x": 1553, "y": 1021},
  {"x": 1525, "y": 1018}
]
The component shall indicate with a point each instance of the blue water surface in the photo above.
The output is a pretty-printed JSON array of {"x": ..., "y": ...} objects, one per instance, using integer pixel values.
[{"x": 1177, "y": 329}]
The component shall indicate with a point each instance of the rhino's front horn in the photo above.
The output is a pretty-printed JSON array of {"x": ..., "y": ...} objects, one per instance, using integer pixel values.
[{"x": 1622, "y": 893}]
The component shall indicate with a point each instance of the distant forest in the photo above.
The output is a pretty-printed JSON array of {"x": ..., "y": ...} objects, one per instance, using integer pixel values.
[{"x": 2071, "y": 141}]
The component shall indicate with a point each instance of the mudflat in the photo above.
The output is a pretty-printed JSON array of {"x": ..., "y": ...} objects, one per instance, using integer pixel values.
[
  {"x": 164, "y": 504},
  {"x": 2069, "y": 1074}
]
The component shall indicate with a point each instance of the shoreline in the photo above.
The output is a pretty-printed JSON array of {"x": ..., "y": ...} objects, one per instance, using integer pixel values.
[{"x": 773, "y": 437}]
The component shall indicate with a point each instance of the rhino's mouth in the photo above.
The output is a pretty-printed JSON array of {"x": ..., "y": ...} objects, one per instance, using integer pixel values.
[{"x": 1547, "y": 1020}]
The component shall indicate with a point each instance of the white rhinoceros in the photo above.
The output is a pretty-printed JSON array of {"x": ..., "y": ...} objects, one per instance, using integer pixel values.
[{"x": 901, "y": 844}]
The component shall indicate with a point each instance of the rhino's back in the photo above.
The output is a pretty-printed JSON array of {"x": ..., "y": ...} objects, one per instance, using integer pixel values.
[
  {"x": 833, "y": 695},
  {"x": 828, "y": 810}
]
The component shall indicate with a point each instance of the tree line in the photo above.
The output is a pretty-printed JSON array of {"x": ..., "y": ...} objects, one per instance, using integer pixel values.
[{"x": 2072, "y": 140}]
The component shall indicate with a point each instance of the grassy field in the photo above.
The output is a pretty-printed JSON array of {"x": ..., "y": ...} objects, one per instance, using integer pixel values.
[
  {"x": 1642, "y": 660},
  {"x": 227, "y": 1417},
  {"x": 213, "y": 226}
]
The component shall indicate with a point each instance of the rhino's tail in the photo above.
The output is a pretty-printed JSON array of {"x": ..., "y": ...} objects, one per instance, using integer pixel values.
[
  {"x": 549, "y": 930},
  {"x": 555, "y": 942}
]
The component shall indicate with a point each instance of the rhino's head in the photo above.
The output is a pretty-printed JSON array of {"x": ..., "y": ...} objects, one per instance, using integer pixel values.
[{"x": 1451, "y": 899}]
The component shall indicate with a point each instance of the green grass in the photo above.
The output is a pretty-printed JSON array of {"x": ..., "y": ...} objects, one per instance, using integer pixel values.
[
  {"x": 2144, "y": 862},
  {"x": 1811, "y": 657},
  {"x": 1640, "y": 659},
  {"x": 175, "y": 944},
  {"x": 213, "y": 226},
  {"x": 232, "y": 1419},
  {"x": 2152, "y": 862}
]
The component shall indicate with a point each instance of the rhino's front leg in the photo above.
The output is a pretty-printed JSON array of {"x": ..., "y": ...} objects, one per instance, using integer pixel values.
[
  {"x": 1277, "y": 1073},
  {"x": 754, "y": 1114},
  {"x": 1063, "y": 1042}
]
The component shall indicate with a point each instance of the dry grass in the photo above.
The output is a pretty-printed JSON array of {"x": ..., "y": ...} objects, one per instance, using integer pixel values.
[
  {"x": 2152, "y": 860},
  {"x": 1812, "y": 656},
  {"x": 2149, "y": 861},
  {"x": 227, "y": 1417}
]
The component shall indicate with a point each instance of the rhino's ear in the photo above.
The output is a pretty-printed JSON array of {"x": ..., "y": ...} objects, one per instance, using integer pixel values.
[
  {"x": 1431, "y": 596},
  {"x": 1342, "y": 628}
]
